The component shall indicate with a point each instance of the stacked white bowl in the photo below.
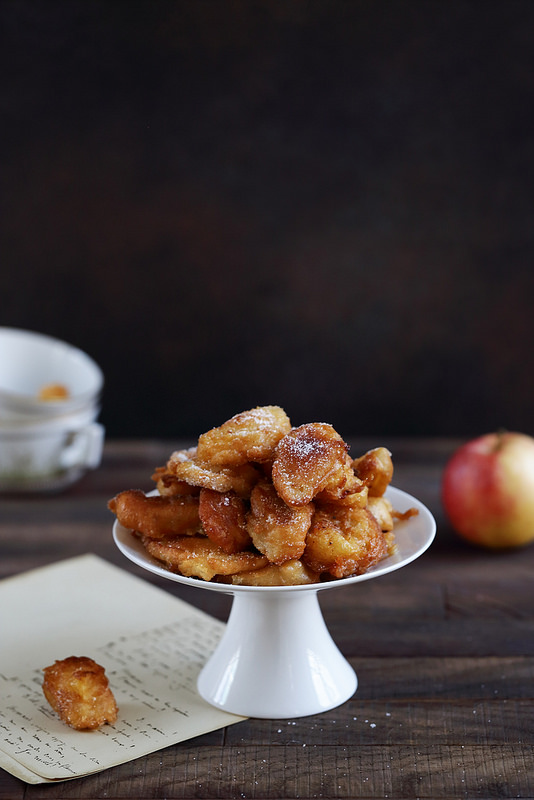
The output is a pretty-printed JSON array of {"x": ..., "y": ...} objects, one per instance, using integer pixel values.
[{"x": 50, "y": 394}]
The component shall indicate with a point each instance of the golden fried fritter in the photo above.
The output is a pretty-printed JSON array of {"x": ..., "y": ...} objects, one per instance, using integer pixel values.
[
  {"x": 188, "y": 454},
  {"x": 198, "y": 557},
  {"x": 344, "y": 487},
  {"x": 169, "y": 484},
  {"x": 248, "y": 436},
  {"x": 185, "y": 466},
  {"x": 292, "y": 573},
  {"x": 343, "y": 541},
  {"x": 375, "y": 468},
  {"x": 312, "y": 459},
  {"x": 78, "y": 690},
  {"x": 403, "y": 515},
  {"x": 358, "y": 496},
  {"x": 382, "y": 511},
  {"x": 224, "y": 520},
  {"x": 277, "y": 530},
  {"x": 156, "y": 516}
]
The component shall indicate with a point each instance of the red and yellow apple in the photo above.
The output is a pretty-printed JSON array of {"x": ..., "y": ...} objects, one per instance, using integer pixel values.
[{"x": 488, "y": 490}]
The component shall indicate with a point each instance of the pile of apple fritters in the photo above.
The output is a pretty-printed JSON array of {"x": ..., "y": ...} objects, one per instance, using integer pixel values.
[{"x": 261, "y": 503}]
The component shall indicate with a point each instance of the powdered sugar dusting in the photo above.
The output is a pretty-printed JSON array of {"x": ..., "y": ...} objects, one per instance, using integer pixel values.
[
  {"x": 181, "y": 456},
  {"x": 263, "y": 416},
  {"x": 304, "y": 447}
]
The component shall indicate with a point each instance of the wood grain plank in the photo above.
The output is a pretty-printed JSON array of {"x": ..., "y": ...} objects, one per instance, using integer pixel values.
[
  {"x": 473, "y": 637},
  {"x": 481, "y": 678},
  {"x": 448, "y": 722},
  {"x": 11, "y": 788},
  {"x": 297, "y": 771},
  {"x": 504, "y": 598},
  {"x": 393, "y": 596}
]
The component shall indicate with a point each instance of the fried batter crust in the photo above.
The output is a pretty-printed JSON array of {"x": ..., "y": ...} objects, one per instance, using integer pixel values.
[
  {"x": 156, "y": 516},
  {"x": 169, "y": 484},
  {"x": 224, "y": 520},
  {"x": 343, "y": 541},
  {"x": 198, "y": 557},
  {"x": 277, "y": 530},
  {"x": 185, "y": 466},
  {"x": 78, "y": 690},
  {"x": 357, "y": 496},
  {"x": 382, "y": 511},
  {"x": 292, "y": 573},
  {"x": 311, "y": 459},
  {"x": 375, "y": 469},
  {"x": 249, "y": 436}
]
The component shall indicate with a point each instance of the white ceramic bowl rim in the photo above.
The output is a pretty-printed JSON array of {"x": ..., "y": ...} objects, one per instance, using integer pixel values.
[
  {"x": 414, "y": 536},
  {"x": 31, "y": 427},
  {"x": 36, "y": 351}
]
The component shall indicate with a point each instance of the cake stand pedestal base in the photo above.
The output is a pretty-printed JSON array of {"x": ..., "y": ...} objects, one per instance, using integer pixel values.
[{"x": 276, "y": 659}]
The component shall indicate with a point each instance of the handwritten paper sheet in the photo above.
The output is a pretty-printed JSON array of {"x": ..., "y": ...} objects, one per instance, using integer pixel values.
[{"x": 151, "y": 644}]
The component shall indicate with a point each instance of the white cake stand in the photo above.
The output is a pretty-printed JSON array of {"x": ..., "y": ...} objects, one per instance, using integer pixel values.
[{"x": 276, "y": 658}]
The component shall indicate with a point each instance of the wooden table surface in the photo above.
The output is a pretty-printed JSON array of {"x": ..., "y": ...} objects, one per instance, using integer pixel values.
[{"x": 443, "y": 650}]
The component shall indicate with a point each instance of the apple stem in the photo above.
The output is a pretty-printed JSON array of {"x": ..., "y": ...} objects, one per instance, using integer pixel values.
[{"x": 499, "y": 444}]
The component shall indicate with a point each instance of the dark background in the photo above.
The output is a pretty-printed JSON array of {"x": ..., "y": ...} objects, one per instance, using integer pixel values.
[{"x": 325, "y": 205}]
